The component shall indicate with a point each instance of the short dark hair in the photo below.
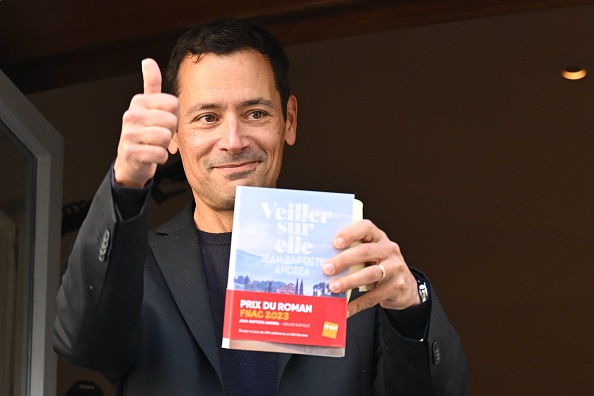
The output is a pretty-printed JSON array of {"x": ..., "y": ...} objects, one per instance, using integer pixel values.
[{"x": 228, "y": 36}]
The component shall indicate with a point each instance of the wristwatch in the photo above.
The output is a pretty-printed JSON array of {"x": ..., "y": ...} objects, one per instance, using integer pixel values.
[{"x": 423, "y": 290}]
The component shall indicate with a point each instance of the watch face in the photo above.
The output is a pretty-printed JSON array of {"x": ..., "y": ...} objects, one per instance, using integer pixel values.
[{"x": 423, "y": 293}]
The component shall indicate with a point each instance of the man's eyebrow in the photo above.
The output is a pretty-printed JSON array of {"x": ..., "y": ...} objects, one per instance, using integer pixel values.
[
  {"x": 246, "y": 103},
  {"x": 258, "y": 101},
  {"x": 201, "y": 106}
]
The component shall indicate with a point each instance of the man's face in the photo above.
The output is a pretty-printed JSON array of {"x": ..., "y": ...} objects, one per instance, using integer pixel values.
[{"x": 231, "y": 129}]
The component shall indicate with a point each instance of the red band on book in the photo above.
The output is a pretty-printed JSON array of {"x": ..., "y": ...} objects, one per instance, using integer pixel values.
[{"x": 285, "y": 318}]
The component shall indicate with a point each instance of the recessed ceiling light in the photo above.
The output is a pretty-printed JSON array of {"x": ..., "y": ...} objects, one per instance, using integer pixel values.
[{"x": 574, "y": 73}]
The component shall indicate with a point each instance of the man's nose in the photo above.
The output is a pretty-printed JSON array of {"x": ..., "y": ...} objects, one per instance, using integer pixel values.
[{"x": 234, "y": 139}]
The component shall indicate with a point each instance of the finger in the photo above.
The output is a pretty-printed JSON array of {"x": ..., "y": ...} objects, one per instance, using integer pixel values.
[
  {"x": 150, "y": 154},
  {"x": 144, "y": 154},
  {"x": 151, "y": 76},
  {"x": 371, "y": 253},
  {"x": 161, "y": 118},
  {"x": 162, "y": 101},
  {"x": 151, "y": 135},
  {"x": 398, "y": 291},
  {"x": 360, "y": 231},
  {"x": 367, "y": 300},
  {"x": 137, "y": 117},
  {"x": 368, "y": 276}
]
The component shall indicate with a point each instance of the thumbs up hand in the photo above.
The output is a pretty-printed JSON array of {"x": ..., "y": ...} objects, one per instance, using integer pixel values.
[{"x": 147, "y": 128}]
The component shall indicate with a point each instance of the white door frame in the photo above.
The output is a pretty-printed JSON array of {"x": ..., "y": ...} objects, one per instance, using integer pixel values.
[{"x": 46, "y": 146}]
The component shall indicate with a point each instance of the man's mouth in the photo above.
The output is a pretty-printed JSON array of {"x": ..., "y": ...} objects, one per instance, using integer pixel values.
[
  {"x": 237, "y": 166},
  {"x": 235, "y": 171}
]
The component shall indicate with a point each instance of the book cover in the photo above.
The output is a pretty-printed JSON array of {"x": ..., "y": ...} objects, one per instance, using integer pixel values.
[{"x": 277, "y": 296}]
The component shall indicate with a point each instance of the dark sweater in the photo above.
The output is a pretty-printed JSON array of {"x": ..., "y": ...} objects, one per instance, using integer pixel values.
[{"x": 244, "y": 372}]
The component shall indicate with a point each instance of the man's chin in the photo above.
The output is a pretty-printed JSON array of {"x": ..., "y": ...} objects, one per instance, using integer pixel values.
[
  {"x": 242, "y": 177},
  {"x": 249, "y": 179},
  {"x": 223, "y": 196}
]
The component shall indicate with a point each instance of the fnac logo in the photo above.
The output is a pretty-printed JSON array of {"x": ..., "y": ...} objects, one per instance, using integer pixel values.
[{"x": 330, "y": 330}]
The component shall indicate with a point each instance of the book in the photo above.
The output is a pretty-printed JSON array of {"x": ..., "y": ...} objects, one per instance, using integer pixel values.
[{"x": 277, "y": 296}]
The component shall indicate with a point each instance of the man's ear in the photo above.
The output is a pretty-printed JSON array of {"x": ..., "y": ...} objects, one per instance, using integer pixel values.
[
  {"x": 173, "y": 147},
  {"x": 291, "y": 122}
]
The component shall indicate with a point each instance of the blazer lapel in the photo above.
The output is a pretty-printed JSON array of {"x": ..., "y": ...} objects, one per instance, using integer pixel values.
[
  {"x": 176, "y": 250},
  {"x": 283, "y": 359}
]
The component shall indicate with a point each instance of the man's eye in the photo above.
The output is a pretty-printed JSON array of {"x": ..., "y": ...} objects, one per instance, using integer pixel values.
[
  {"x": 207, "y": 118},
  {"x": 256, "y": 115}
]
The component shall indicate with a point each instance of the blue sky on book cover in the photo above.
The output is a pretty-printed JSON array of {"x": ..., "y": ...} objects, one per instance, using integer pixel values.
[{"x": 284, "y": 236}]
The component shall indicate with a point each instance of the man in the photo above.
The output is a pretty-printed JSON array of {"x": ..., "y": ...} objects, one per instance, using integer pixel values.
[{"x": 148, "y": 312}]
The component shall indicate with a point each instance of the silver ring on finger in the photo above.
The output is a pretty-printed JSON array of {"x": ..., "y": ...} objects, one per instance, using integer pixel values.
[{"x": 383, "y": 274}]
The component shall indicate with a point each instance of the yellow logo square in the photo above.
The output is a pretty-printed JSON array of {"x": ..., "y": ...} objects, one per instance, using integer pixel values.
[{"x": 330, "y": 330}]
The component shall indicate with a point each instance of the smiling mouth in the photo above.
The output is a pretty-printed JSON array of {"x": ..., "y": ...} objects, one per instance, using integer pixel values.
[
  {"x": 238, "y": 170},
  {"x": 236, "y": 166}
]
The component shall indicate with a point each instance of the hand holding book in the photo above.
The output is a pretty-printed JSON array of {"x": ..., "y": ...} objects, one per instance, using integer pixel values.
[{"x": 396, "y": 289}]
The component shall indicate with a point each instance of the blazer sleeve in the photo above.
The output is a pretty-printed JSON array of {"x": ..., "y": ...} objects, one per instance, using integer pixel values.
[
  {"x": 98, "y": 323},
  {"x": 435, "y": 365}
]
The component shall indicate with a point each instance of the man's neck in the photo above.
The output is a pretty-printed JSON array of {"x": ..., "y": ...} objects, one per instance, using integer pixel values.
[{"x": 212, "y": 221}]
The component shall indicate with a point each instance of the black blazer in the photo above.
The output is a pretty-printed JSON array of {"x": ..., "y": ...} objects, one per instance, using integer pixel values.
[{"x": 134, "y": 306}]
